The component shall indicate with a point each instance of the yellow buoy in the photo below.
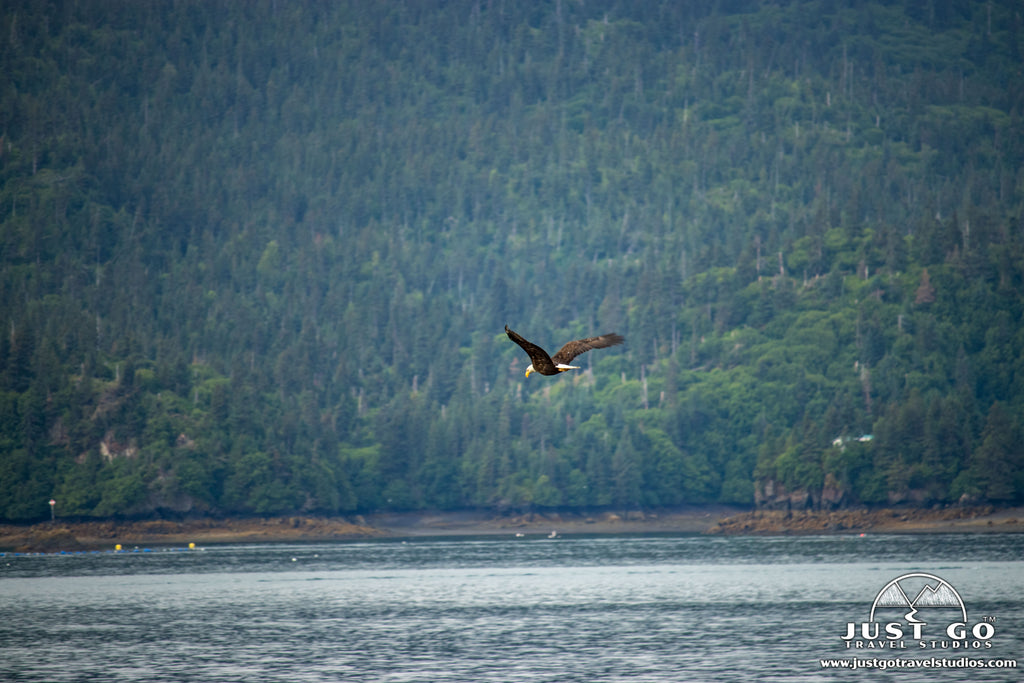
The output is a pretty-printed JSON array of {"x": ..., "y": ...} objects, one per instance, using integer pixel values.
[
  {"x": 117, "y": 547},
  {"x": 191, "y": 546}
]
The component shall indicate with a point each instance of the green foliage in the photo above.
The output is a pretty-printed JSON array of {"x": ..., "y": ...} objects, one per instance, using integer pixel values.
[{"x": 257, "y": 258}]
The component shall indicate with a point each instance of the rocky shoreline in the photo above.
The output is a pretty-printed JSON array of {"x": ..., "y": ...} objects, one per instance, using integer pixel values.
[
  {"x": 893, "y": 521},
  {"x": 62, "y": 536}
]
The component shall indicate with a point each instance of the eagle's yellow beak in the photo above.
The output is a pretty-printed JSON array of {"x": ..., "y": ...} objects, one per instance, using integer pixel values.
[{"x": 529, "y": 370}]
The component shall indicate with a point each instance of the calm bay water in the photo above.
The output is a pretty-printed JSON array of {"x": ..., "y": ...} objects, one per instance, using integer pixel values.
[{"x": 630, "y": 608}]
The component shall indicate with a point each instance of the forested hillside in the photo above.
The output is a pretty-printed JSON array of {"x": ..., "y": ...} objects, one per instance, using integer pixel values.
[{"x": 257, "y": 257}]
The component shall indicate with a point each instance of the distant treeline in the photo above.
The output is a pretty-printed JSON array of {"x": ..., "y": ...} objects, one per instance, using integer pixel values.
[{"x": 256, "y": 258}]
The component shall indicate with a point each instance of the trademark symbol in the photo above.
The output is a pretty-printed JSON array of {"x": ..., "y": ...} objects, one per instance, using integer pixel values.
[{"x": 989, "y": 620}]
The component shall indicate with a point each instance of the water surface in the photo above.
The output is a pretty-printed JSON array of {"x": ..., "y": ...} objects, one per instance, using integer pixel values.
[{"x": 666, "y": 608}]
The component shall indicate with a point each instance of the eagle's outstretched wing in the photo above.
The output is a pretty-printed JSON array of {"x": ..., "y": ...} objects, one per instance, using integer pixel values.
[
  {"x": 575, "y": 348},
  {"x": 538, "y": 356}
]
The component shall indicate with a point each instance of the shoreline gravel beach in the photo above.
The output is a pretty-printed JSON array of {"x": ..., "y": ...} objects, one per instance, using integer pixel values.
[{"x": 60, "y": 536}]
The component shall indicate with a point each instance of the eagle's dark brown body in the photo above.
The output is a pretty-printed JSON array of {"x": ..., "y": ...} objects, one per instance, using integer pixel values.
[{"x": 552, "y": 365}]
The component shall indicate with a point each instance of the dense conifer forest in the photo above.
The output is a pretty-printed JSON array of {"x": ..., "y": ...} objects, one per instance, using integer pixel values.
[{"x": 256, "y": 258}]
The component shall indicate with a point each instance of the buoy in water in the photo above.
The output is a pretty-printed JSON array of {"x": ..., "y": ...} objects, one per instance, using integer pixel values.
[
  {"x": 117, "y": 547},
  {"x": 191, "y": 546}
]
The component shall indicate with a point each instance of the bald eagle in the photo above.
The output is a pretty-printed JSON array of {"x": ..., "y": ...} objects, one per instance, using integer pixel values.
[{"x": 552, "y": 365}]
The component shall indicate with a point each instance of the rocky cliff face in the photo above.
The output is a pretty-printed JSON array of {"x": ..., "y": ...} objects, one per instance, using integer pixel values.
[
  {"x": 774, "y": 495},
  {"x": 770, "y": 494}
]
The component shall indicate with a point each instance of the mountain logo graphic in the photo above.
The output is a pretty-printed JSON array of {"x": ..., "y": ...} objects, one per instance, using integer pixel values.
[
  {"x": 918, "y": 591},
  {"x": 931, "y": 616}
]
